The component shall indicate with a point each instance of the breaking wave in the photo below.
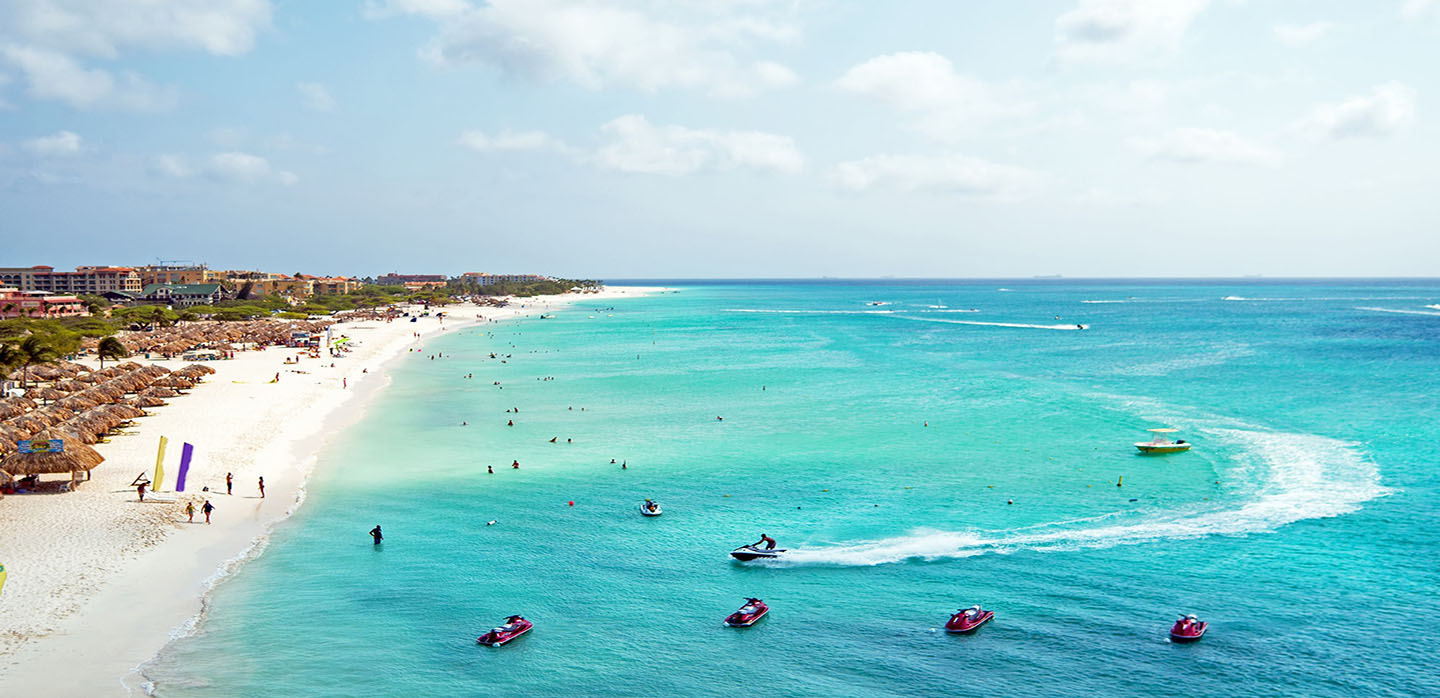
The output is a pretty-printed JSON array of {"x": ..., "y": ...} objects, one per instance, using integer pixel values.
[{"x": 1303, "y": 476}]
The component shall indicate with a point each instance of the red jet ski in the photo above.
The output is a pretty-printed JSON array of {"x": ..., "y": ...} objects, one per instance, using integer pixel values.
[
  {"x": 1188, "y": 629},
  {"x": 968, "y": 619},
  {"x": 753, "y": 610},
  {"x": 514, "y": 627}
]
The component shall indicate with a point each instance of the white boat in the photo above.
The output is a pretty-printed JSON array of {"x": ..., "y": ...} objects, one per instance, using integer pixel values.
[
  {"x": 1161, "y": 443},
  {"x": 649, "y": 508}
]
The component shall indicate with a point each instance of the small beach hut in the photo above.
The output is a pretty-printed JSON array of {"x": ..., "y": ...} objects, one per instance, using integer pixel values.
[{"x": 72, "y": 457}]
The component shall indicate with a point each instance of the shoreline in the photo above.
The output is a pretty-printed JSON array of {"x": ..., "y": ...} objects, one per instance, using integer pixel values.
[{"x": 136, "y": 597}]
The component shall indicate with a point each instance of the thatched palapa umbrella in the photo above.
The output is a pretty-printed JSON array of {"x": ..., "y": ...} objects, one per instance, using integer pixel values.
[
  {"x": 44, "y": 393},
  {"x": 145, "y": 401}
]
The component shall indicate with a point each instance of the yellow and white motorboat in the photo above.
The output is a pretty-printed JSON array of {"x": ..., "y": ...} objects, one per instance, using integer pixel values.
[{"x": 1161, "y": 443}]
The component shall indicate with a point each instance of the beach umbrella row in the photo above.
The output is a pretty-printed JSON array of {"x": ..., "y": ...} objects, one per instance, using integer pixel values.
[{"x": 213, "y": 335}]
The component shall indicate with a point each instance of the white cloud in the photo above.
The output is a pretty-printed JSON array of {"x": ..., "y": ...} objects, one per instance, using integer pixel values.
[
  {"x": 648, "y": 45},
  {"x": 1119, "y": 31},
  {"x": 773, "y": 74},
  {"x": 1415, "y": 8},
  {"x": 58, "y": 143},
  {"x": 1297, "y": 35},
  {"x": 104, "y": 28},
  {"x": 247, "y": 169},
  {"x": 316, "y": 96},
  {"x": 926, "y": 84},
  {"x": 56, "y": 76},
  {"x": 47, "y": 39},
  {"x": 1204, "y": 145},
  {"x": 949, "y": 174},
  {"x": 172, "y": 166},
  {"x": 434, "y": 9},
  {"x": 1386, "y": 109},
  {"x": 508, "y": 140},
  {"x": 638, "y": 146}
]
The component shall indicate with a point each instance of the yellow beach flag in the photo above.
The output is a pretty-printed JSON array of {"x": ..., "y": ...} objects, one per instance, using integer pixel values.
[{"x": 159, "y": 466}]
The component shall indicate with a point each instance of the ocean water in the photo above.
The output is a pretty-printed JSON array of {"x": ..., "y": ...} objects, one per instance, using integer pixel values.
[{"x": 1302, "y": 526}]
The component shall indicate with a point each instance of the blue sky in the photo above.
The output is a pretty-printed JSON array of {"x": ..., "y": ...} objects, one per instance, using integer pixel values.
[{"x": 727, "y": 138}]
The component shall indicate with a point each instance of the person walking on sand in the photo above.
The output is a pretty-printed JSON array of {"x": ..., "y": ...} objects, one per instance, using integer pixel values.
[
  {"x": 141, "y": 490},
  {"x": 229, "y": 483},
  {"x": 190, "y": 511},
  {"x": 207, "y": 508},
  {"x": 262, "y": 486}
]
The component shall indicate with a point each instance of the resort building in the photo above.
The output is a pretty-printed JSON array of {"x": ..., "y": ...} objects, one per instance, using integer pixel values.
[
  {"x": 15, "y": 303},
  {"x": 90, "y": 280},
  {"x": 393, "y": 279},
  {"x": 179, "y": 274},
  {"x": 491, "y": 279},
  {"x": 183, "y": 295}
]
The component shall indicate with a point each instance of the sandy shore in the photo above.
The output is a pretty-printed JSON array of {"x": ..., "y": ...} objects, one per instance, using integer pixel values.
[{"x": 99, "y": 582}]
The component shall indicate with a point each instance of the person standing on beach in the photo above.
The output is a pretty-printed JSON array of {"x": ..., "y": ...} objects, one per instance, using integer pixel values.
[
  {"x": 262, "y": 486},
  {"x": 141, "y": 489},
  {"x": 190, "y": 511},
  {"x": 207, "y": 508},
  {"x": 229, "y": 483},
  {"x": 375, "y": 533}
]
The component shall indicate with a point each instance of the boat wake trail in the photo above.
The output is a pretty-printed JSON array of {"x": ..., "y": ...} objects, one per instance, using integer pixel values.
[
  {"x": 808, "y": 312},
  {"x": 996, "y": 324},
  {"x": 1402, "y": 312},
  {"x": 1302, "y": 477}
]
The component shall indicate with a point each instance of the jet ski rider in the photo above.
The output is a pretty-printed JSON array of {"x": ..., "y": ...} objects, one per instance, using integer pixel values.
[{"x": 767, "y": 540}]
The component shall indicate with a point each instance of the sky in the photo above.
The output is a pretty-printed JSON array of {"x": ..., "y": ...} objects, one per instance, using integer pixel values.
[{"x": 724, "y": 138}]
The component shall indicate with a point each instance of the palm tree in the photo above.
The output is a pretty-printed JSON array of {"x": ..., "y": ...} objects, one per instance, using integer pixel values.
[
  {"x": 34, "y": 350},
  {"x": 110, "y": 348},
  {"x": 10, "y": 359}
]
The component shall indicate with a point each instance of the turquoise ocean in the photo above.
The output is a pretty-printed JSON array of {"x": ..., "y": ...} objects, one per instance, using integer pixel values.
[{"x": 1303, "y": 526}]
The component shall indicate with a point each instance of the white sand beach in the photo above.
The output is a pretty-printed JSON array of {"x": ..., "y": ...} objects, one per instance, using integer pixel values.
[{"x": 99, "y": 581}]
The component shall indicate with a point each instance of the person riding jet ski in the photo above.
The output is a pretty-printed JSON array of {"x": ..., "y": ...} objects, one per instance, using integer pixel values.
[{"x": 766, "y": 539}]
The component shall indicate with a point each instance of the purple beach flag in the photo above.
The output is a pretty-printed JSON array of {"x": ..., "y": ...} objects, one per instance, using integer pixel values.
[{"x": 184, "y": 467}]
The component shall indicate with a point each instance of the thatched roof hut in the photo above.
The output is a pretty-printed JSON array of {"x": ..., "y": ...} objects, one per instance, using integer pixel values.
[
  {"x": 44, "y": 393},
  {"x": 14, "y": 406},
  {"x": 74, "y": 457},
  {"x": 174, "y": 381},
  {"x": 145, "y": 401},
  {"x": 158, "y": 391}
]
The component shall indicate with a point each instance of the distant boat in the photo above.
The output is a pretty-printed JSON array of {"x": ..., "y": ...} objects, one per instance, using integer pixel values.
[
  {"x": 877, "y": 303},
  {"x": 1160, "y": 443}
]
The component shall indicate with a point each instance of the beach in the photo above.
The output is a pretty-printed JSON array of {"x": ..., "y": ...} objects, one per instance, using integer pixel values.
[{"x": 99, "y": 581}]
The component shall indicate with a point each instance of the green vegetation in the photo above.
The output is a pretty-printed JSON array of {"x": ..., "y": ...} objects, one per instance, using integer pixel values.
[
  {"x": 523, "y": 289},
  {"x": 110, "y": 348}
]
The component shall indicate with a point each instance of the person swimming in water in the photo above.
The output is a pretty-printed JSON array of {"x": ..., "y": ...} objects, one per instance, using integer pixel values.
[{"x": 767, "y": 540}]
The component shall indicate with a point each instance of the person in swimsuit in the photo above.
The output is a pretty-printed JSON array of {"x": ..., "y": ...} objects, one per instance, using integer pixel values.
[
  {"x": 767, "y": 540},
  {"x": 375, "y": 533}
]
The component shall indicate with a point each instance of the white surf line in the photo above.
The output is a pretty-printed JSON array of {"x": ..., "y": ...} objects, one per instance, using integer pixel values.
[
  {"x": 1070, "y": 327},
  {"x": 1401, "y": 312},
  {"x": 1304, "y": 477}
]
